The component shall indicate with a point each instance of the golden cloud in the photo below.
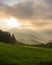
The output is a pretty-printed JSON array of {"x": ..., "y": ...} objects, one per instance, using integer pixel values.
[{"x": 31, "y": 11}]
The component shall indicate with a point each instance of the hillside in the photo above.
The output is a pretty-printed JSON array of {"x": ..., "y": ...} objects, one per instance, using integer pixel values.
[
  {"x": 26, "y": 36},
  {"x": 25, "y": 55}
]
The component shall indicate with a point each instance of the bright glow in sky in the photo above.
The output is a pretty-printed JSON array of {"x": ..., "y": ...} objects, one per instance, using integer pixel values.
[
  {"x": 34, "y": 15},
  {"x": 12, "y": 22}
]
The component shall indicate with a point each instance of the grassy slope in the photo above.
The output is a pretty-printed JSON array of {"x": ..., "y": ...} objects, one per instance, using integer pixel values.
[{"x": 15, "y": 55}]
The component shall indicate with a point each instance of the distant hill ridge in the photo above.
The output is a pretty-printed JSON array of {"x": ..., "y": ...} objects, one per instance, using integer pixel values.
[{"x": 26, "y": 36}]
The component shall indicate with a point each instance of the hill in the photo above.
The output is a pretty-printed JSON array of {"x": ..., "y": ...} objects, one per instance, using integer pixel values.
[
  {"x": 24, "y": 55},
  {"x": 26, "y": 36}
]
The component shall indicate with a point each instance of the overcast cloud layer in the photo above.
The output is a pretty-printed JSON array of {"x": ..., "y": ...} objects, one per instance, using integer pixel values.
[{"x": 37, "y": 12}]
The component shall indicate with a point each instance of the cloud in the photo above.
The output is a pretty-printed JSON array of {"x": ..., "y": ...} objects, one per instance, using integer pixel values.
[
  {"x": 1, "y": 1},
  {"x": 2, "y": 24},
  {"x": 23, "y": 10},
  {"x": 30, "y": 10},
  {"x": 37, "y": 14},
  {"x": 48, "y": 1}
]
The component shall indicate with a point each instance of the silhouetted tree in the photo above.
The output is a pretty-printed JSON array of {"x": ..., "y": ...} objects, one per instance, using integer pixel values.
[
  {"x": 7, "y": 37},
  {"x": 13, "y": 39},
  {"x": 49, "y": 44}
]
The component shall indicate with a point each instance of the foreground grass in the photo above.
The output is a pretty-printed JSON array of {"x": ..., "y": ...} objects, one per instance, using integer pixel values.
[{"x": 15, "y": 55}]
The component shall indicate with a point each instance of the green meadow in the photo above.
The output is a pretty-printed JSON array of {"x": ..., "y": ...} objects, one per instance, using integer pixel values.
[{"x": 24, "y": 55}]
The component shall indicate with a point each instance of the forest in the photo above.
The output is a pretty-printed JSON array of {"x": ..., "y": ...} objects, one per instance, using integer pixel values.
[
  {"x": 10, "y": 38},
  {"x": 7, "y": 37}
]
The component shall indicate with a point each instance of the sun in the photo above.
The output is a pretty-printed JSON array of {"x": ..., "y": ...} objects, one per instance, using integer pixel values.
[{"x": 12, "y": 22}]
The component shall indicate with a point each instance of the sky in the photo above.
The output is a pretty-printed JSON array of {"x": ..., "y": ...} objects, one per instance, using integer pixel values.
[{"x": 35, "y": 15}]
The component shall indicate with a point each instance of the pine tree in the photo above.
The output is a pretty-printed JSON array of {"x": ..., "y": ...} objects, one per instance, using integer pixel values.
[
  {"x": 7, "y": 37},
  {"x": 13, "y": 39}
]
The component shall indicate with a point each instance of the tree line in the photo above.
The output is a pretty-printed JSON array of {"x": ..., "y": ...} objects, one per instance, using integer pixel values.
[
  {"x": 43, "y": 45},
  {"x": 7, "y": 37}
]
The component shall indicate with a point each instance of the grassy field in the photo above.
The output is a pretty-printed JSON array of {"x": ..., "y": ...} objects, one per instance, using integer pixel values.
[{"x": 18, "y": 55}]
